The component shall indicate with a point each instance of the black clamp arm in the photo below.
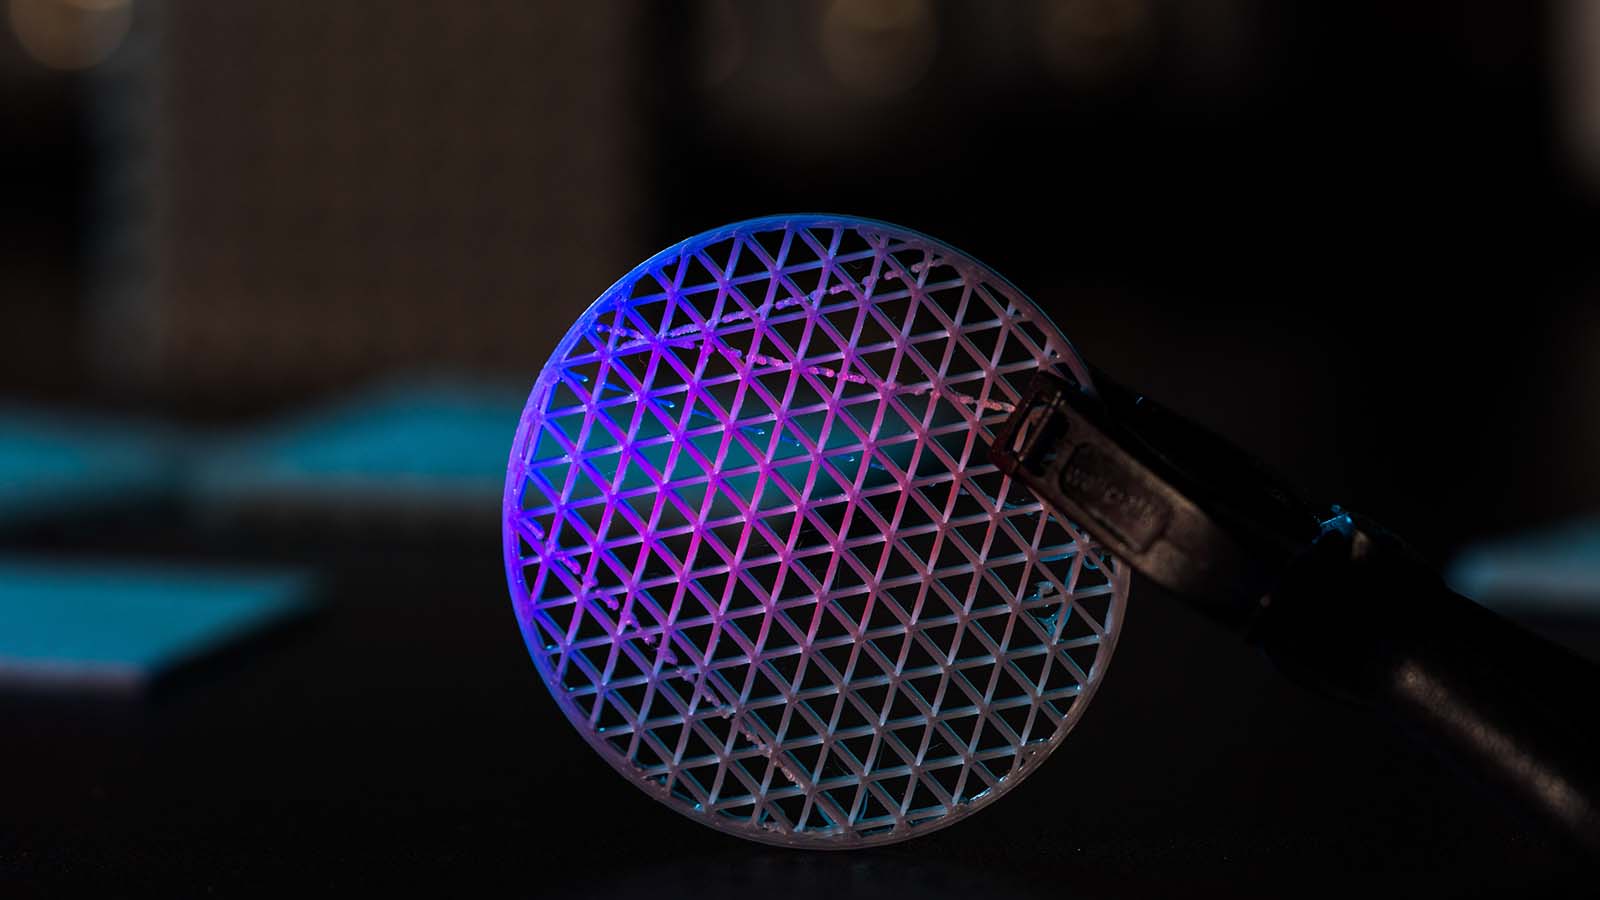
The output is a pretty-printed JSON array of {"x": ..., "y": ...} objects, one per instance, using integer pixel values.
[{"x": 1196, "y": 515}]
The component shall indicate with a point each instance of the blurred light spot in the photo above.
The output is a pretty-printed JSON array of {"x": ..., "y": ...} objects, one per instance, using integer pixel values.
[
  {"x": 1088, "y": 41},
  {"x": 722, "y": 41},
  {"x": 878, "y": 48},
  {"x": 1577, "y": 41},
  {"x": 70, "y": 34}
]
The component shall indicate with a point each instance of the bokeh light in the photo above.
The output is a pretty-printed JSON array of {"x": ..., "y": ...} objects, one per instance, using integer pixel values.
[
  {"x": 70, "y": 34},
  {"x": 1090, "y": 41},
  {"x": 879, "y": 48}
]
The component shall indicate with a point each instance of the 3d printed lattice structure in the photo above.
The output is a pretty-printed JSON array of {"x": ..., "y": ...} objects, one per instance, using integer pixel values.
[{"x": 759, "y": 555}]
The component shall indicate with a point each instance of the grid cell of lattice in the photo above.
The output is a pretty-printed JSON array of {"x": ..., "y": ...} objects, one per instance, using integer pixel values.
[{"x": 759, "y": 555}]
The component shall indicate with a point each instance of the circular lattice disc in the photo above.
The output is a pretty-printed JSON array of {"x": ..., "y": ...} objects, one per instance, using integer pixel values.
[{"x": 759, "y": 554}]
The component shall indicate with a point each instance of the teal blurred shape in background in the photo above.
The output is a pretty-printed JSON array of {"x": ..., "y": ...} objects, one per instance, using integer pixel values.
[
  {"x": 92, "y": 624},
  {"x": 59, "y": 464},
  {"x": 413, "y": 446}
]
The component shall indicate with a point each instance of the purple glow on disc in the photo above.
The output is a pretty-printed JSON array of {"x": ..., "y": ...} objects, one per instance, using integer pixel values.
[{"x": 758, "y": 552}]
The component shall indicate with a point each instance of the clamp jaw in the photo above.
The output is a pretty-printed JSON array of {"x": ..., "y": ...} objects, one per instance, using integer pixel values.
[{"x": 1184, "y": 508}]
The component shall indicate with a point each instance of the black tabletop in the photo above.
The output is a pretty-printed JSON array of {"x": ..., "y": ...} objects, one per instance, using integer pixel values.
[{"x": 402, "y": 737}]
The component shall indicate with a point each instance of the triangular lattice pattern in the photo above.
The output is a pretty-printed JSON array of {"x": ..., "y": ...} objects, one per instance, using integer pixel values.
[{"x": 759, "y": 554}]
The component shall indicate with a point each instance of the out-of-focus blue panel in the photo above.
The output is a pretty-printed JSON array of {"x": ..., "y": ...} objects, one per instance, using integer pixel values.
[
  {"x": 118, "y": 624},
  {"x": 53, "y": 465},
  {"x": 418, "y": 445},
  {"x": 1552, "y": 572}
]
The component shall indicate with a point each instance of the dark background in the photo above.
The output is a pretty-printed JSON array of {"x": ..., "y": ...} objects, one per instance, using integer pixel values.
[{"x": 1355, "y": 237}]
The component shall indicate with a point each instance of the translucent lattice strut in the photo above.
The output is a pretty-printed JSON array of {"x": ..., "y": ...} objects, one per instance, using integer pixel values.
[{"x": 759, "y": 555}]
